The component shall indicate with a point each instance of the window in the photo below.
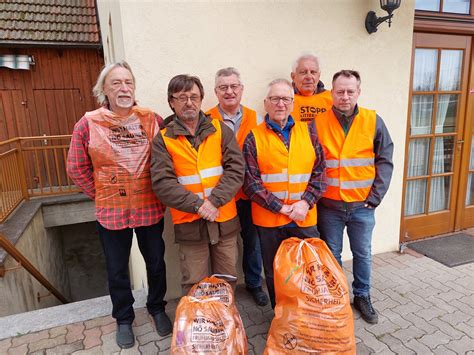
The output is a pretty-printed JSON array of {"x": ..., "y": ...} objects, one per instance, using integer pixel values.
[
  {"x": 448, "y": 6},
  {"x": 13, "y": 61}
]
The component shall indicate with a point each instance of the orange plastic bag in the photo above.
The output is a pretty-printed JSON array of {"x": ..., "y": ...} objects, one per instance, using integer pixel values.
[
  {"x": 208, "y": 322},
  {"x": 313, "y": 312}
]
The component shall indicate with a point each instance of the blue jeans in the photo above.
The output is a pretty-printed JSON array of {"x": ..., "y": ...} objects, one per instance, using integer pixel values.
[
  {"x": 360, "y": 223},
  {"x": 252, "y": 257}
]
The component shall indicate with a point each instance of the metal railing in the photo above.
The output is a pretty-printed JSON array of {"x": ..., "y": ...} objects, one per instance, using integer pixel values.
[
  {"x": 32, "y": 167},
  {"x": 24, "y": 262}
]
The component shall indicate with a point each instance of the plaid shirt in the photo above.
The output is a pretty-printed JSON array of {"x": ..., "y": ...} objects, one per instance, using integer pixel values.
[
  {"x": 80, "y": 168},
  {"x": 253, "y": 184}
]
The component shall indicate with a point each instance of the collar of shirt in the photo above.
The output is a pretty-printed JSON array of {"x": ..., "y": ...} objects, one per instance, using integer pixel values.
[
  {"x": 285, "y": 131},
  {"x": 344, "y": 119},
  {"x": 319, "y": 88},
  {"x": 233, "y": 122}
]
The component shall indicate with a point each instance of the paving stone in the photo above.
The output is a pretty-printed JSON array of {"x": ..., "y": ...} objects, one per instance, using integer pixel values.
[
  {"x": 141, "y": 317},
  {"x": 385, "y": 304},
  {"x": 92, "y": 337},
  {"x": 97, "y": 350},
  {"x": 448, "y": 307},
  {"x": 450, "y": 295},
  {"x": 143, "y": 329},
  {"x": 18, "y": 350},
  {"x": 406, "y": 309},
  {"x": 165, "y": 343},
  {"x": 417, "y": 347},
  {"x": 466, "y": 281},
  {"x": 396, "y": 296},
  {"x": 109, "y": 345},
  {"x": 395, "y": 345},
  {"x": 466, "y": 328},
  {"x": 462, "y": 345},
  {"x": 396, "y": 318},
  {"x": 454, "y": 318},
  {"x": 54, "y": 332},
  {"x": 257, "y": 329},
  {"x": 435, "y": 339},
  {"x": 131, "y": 351},
  {"x": 420, "y": 323},
  {"x": 371, "y": 342},
  {"x": 408, "y": 333},
  {"x": 447, "y": 328},
  {"x": 147, "y": 338},
  {"x": 5, "y": 345},
  {"x": 460, "y": 288},
  {"x": 258, "y": 342},
  {"x": 430, "y": 313},
  {"x": 362, "y": 349},
  {"x": 47, "y": 343},
  {"x": 463, "y": 307},
  {"x": 66, "y": 348},
  {"x": 148, "y": 349},
  {"x": 29, "y": 338},
  {"x": 109, "y": 328},
  {"x": 75, "y": 332},
  {"x": 381, "y": 328},
  {"x": 258, "y": 317},
  {"x": 443, "y": 350},
  {"x": 98, "y": 322},
  {"x": 38, "y": 352}
]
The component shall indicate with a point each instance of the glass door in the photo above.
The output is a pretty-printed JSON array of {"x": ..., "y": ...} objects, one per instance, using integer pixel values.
[{"x": 435, "y": 137}]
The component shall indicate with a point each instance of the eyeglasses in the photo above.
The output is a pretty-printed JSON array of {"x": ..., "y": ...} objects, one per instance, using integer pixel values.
[
  {"x": 182, "y": 99},
  {"x": 276, "y": 99},
  {"x": 233, "y": 87}
]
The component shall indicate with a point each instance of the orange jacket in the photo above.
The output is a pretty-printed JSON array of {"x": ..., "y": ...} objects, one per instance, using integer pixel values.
[
  {"x": 120, "y": 150},
  {"x": 349, "y": 159},
  {"x": 306, "y": 108},
  {"x": 249, "y": 122},
  {"x": 284, "y": 173},
  {"x": 198, "y": 171}
]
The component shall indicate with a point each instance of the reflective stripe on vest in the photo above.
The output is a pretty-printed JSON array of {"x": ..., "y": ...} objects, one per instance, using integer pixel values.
[
  {"x": 284, "y": 173},
  {"x": 199, "y": 171},
  {"x": 250, "y": 120},
  {"x": 350, "y": 164}
]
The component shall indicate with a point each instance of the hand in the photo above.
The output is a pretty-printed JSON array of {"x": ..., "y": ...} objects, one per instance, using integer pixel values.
[
  {"x": 300, "y": 210},
  {"x": 286, "y": 209},
  {"x": 208, "y": 212}
]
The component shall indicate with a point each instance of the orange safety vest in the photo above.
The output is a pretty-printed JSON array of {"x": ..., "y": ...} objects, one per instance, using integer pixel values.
[
  {"x": 284, "y": 173},
  {"x": 306, "y": 108},
  {"x": 199, "y": 171},
  {"x": 119, "y": 148},
  {"x": 249, "y": 122},
  {"x": 350, "y": 166}
]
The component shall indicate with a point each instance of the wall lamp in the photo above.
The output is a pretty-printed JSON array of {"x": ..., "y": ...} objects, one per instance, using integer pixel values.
[{"x": 372, "y": 21}]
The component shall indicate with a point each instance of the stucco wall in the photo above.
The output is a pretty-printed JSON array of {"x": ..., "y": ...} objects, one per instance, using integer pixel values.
[
  {"x": 262, "y": 38},
  {"x": 43, "y": 248}
]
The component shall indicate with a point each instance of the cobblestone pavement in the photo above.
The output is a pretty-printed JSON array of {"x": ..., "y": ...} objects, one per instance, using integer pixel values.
[{"x": 424, "y": 306}]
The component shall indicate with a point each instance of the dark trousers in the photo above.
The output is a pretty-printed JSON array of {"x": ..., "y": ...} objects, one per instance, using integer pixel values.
[
  {"x": 116, "y": 245},
  {"x": 270, "y": 240},
  {"x": 251, "y": 258}
]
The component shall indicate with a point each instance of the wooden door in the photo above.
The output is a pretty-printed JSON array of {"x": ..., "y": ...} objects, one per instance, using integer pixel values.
[
  {"x": 437, "y": 122},
  {"x": 13, "y": 114}
]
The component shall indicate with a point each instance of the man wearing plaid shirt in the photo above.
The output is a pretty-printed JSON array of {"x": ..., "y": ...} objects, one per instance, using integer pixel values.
[
  {"x": 109, "y": 159},
  {"x": 284, "y": 176}
]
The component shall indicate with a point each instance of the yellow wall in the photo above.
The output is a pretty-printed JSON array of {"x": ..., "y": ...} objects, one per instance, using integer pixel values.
[{"x": 262, "y": 38}]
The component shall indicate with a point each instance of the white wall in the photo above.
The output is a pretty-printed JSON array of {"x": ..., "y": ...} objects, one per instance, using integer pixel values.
[{"x": 262, "y": 38}]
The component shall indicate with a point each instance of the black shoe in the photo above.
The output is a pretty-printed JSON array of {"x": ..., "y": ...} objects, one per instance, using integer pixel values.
[
  {"x": 364, "y": 306},
  {"x": 259, "y": 296},
  {"x": 124, "y": 337},
  {"x": 163, "y": 324}
]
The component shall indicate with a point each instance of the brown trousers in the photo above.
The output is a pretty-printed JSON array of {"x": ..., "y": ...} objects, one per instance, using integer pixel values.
[{"x": 195, "y": 260}]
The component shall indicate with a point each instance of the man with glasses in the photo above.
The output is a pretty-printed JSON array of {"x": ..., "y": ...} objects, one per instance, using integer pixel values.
[
  {"x": 241, "y": 119},
  {"x": 311, "y": 99},
  {"x": 358, "y": 151},
  {"x": 196, "y": 170},
  {"x": 284, "y": 176}
]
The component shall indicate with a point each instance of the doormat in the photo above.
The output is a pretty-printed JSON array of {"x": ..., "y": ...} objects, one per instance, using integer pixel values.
[{"x": 454, "y": 250}]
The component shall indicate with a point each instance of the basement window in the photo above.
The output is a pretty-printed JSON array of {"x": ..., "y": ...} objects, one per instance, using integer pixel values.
[{"x": 17, "y": 62}]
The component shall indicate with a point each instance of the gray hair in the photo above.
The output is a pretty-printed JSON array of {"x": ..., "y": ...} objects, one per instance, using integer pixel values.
[
  {"x": 279, "y": 81},
  {"x": 303, "y": 57},
  {"x": 224, "y": 72},
  {"x": 98, "y": 89}
]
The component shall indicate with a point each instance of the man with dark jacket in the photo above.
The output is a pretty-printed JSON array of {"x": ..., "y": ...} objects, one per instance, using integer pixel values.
[{"x": 197, "y": 168}]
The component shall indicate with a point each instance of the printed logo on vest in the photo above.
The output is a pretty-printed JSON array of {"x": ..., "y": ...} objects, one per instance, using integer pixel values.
[{"x": 307, "y": 113}]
